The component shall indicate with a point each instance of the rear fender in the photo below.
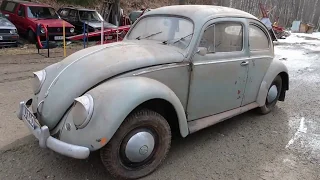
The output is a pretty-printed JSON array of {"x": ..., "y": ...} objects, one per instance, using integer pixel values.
[
  {"x": 275, "y": 68},
  {"x": 114, "y": 100}
]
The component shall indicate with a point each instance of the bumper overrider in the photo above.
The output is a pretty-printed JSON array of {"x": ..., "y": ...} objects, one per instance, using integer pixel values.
[{"x": 47, "y": 141}]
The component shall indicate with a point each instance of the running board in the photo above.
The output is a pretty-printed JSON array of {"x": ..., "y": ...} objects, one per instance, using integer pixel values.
[{"x": 199, "y": 124}]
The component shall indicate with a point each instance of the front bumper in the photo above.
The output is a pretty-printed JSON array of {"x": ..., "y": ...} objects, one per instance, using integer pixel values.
[
  {"x": 46, "y": 141},
  {"x": 8, "y": 39}
]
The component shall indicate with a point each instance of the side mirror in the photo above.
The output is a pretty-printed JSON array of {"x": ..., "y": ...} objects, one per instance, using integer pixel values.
[
  {"x": 202, "y": 51},
  {"x": 6, "y": 15}
]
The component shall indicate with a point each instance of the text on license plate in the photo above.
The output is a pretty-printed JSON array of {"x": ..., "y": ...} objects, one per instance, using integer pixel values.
[
  {"x": 58, "y": 38},
  {"x": 28, "y": 116}
]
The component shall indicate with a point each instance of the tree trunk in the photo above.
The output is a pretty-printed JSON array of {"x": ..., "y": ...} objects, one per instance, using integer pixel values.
[
  {"x": 314, "y": 11},
  {"x": 181, "y": 2}
]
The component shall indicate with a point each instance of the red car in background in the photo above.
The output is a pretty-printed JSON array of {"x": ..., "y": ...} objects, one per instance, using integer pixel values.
[{"x": 27, "y": 15}]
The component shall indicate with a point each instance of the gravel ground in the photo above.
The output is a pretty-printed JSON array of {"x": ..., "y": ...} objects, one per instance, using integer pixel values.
[{"x": 284, "y": 144}]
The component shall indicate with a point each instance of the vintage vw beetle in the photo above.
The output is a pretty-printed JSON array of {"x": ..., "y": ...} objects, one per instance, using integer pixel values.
[{"x": 179, "y": 68}]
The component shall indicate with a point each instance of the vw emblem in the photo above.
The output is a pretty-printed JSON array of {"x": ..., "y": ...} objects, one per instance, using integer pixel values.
[{"x": 143, "y": 150}]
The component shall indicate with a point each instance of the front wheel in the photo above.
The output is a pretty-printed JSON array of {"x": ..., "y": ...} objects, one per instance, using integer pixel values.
[
  {"x": 138, "y": 147},
  {"x": 31, "y": 36},
  {"x": 272, "y": 96}
]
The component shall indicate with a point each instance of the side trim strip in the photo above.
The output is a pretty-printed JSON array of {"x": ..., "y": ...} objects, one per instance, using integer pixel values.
[
  {"x": 162, "y": 67},
  {"x": 231, "y": 60}
]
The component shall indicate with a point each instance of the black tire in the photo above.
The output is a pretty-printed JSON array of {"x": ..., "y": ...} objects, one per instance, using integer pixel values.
[
  {"x": 113, "y": 156},
  {"x": 269, "y": 106},
  {"x": 31, "y": 36}
]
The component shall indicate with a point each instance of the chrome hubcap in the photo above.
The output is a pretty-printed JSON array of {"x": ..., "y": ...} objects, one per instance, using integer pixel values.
[
  {"x": 139, "y": 147},
  {"x": 272, "y": 94}
]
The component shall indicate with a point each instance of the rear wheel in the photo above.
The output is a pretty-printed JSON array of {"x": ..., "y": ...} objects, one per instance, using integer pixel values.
[
  {"x": 272, "y": 96},
  {"x": 138, "y": 147}
]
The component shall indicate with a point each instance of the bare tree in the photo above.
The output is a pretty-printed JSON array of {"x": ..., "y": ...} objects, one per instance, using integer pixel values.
[{"x": 182, "y": 1}]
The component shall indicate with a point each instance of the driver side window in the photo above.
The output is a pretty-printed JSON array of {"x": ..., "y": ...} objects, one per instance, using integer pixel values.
[
  {"x": 21, "y": 11},
  {"x": 223, "y": 37}
]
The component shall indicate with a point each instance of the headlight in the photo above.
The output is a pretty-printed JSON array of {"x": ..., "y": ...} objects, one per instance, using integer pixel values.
[
  {"x": 13, "y": 31},
  {"x": 42, "y": 30},
  {"x": 38, "y": 80},
  {"x": 82, "y": 111},
  {"x": 72, "y": 30}
]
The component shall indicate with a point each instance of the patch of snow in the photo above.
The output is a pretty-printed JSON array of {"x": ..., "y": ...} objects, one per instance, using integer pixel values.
[
  {"x": 301, "y": 38},
  {"x": 302, "y": 129}
]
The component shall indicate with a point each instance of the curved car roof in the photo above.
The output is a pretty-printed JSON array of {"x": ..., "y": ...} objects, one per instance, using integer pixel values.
[
  {"x": 28, "y": 3},
  {"x": 200, "y": 12}
]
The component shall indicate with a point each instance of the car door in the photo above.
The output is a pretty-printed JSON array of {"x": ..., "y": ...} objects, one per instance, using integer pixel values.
[
  {"x": 218, "y": 79},
  {"x": 22, "y": 23},
  {"x": 261, "y": 55}
]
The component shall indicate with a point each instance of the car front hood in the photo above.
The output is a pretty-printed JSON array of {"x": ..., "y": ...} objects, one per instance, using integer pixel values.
[
  {"x": 98, "y": 25},
  {"x": 84, "y": 69},
  {"x": 52, "y": 22},
  {"x": 6, "y": 24}
]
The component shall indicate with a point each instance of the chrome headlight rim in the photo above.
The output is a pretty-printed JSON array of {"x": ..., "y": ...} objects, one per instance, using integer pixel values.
[
  {"x": 42, "y": 30},
  {"x": 89, "y": 109},
  {"x": 41, "y": 76},
  {"x": 13, "y": 31},
  {"x": 71, "y": 30}
]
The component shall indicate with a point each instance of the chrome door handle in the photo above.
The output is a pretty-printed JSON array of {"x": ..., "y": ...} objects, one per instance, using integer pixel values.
[{"x": 244, "y": 63}]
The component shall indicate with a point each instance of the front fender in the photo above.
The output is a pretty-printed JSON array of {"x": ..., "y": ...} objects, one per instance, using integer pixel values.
[
  {"x": 113, "y": 102},
  {"x": 275, "y": 68},
  {"x": 32, "y": 29}
]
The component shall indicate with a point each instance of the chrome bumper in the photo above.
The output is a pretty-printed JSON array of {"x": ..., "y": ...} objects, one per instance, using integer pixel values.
[{"x": 47, "y": 141}]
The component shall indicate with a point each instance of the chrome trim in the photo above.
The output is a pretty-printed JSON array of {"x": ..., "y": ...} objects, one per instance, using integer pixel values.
[
  {"x": 225, "y": 61},
  {"x": 47, "y": 141},
  {"x": 89, "y": 111},
  {"x": 157, "y": 68}
]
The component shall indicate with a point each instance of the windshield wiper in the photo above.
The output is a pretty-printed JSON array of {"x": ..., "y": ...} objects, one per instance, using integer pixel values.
[
  {"x": 139, "y": 37},
  {"x": 166, "y": 42}
]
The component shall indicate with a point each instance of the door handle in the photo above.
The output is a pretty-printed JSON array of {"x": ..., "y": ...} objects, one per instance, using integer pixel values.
[{"x": 244, "y": 63}]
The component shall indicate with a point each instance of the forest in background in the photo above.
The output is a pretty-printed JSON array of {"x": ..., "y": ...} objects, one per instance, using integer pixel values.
[{"x": 307, "y": 11}]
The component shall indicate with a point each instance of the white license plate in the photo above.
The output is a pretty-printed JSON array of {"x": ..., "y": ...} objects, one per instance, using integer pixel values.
[
  {"x": 1, "y": 38},
  {"x": 28, "y": 116},
  {"x": 58, "y": 38}
]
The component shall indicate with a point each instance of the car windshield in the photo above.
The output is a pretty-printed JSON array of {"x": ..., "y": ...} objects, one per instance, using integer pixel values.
[
  {"x": 90, "y": 16},
  {"x": 42, "y": 12},
  {"x": 169, "y": 30}
]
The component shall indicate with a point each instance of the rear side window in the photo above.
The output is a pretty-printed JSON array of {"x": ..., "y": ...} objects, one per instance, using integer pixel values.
[
  {"x": 10, "y": 6},
  {"x": 73, "y": 13},
  {"x": 223, "y": 37},
  {"x": 258, "y": 40}
]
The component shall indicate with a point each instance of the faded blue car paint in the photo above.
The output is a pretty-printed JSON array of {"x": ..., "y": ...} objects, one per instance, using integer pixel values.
[
  {"x": 123, "y": 75},
  {"x": 114, "y": 100}
]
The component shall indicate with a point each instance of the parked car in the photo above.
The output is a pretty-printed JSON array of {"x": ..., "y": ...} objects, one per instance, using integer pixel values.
[
  {"x": 134, "y": 15},
  {"x": 8, "y": 32},
  {"x": 27, "y": 15},
  {"x": 180, "y": 68},
  {"x": 79, "y": 16}
]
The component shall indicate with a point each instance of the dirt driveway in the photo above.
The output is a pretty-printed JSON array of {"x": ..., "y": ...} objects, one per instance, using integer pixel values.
[{"x": 282, "y": 145}]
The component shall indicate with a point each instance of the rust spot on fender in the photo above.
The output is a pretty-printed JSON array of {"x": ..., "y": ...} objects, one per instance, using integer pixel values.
[{"x": 102, "y": 141}]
